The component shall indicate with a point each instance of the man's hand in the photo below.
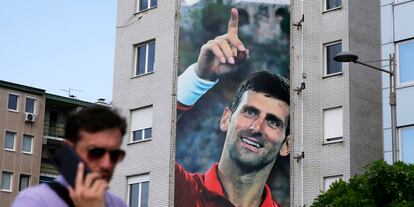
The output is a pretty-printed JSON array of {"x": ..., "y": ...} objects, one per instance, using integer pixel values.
[
  {"x": 221, "y": 55},
  {"x": 88, "y": 192}
]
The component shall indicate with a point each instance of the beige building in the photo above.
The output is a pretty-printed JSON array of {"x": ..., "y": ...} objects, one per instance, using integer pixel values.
[{"x": 31, "y": 129}]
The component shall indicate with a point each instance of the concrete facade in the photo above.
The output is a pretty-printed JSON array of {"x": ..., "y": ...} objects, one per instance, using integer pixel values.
[
  {"x": 155, "y": 156},
  {"x": 396, "y": 32},
  {"x": 356, "y": 24}
]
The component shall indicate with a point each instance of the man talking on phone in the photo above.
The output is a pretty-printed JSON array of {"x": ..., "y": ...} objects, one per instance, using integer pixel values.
[{"x": 94, "y": 134}]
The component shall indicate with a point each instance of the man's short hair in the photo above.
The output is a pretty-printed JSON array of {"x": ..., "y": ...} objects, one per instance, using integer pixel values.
[
  {"x": 93, "y": 119},
  {"x": 265, "y": 82}
]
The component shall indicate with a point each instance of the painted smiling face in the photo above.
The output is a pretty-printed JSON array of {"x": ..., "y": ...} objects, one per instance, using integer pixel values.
[{"x": 255, "y": 130}]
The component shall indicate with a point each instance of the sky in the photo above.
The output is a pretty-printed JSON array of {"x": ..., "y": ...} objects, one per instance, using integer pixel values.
[{"x": 59, "y": 44}]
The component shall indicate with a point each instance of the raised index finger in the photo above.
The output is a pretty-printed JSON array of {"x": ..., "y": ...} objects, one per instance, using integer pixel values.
[{"x": 233, "y": 22}]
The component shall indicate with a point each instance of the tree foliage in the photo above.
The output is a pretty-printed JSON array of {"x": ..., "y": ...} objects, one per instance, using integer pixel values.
[{"x": 380, "y": 185}]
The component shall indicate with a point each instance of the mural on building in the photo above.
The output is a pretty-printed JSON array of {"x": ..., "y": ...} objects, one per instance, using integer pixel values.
[{"x": 263, "y": 27}]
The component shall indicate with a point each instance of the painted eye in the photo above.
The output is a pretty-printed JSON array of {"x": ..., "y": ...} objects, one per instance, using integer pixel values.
[
  {"x": 274, "y": 123},
  {"x": 250, "y": 113}
]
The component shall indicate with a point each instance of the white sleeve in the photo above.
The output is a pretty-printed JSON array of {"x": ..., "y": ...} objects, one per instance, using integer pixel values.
[{"x": 191, "y": 87}]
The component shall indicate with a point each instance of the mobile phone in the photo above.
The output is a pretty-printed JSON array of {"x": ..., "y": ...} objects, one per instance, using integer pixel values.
[{"x": 67, "y": 162}]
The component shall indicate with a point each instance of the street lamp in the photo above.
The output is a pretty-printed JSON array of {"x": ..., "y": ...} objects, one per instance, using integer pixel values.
[{"x": 350, "y": 57}]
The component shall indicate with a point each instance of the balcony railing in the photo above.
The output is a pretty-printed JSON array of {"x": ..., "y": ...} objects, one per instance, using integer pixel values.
[{"x": 53, "y": 129}]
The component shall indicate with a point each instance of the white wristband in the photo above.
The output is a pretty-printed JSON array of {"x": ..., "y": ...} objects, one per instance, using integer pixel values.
[{"x": 191, "y": 87}]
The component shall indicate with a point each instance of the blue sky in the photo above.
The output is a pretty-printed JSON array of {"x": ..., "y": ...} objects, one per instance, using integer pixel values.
[{"x": 59, "y": 44}]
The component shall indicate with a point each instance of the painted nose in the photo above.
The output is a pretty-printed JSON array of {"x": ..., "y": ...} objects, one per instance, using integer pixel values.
[{"x": 257, "y": 125}]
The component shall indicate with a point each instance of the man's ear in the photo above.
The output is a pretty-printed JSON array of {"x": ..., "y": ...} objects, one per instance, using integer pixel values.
[
  {"x": 286, "y": 147},
  {"x": 225, "y": 119}
]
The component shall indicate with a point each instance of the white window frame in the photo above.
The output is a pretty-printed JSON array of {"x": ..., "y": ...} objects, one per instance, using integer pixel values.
[
  {"x": 31, "y": 144},
  {"x": 142, "y": 10},
  {"x": 145, "y": 126},
  {"x": 328, "y": 140},
  {"x": 399, "y": 84},
  {"x": 136, "y": 52},
  {"x": 400, "y": 142},
  {"x": 34, "y": 104},
  {"x": 325, "y": 5},
  {"x": 17, "y": 104},
  {"x": 14, "y": 141},
  {"x": 330, "y": 180},
  {"x": 11, "y": 181},
  {"x": 137, "y": 179},
  {"x": 325, "y": 58}
]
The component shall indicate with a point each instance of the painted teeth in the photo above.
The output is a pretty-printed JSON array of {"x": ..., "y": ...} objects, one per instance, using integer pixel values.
[{"x": 251, "y": 143}]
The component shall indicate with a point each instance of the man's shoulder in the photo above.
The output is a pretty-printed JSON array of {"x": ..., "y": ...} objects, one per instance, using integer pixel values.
[
  {"x": 114, "y": 200},
  {"x": 40, "y": 195}
]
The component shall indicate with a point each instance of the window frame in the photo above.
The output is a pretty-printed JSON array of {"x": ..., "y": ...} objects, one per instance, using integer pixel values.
[
  {"x": 143, "y": 133},
  {"x": 136, "y": 58},
  {"x": 11, "y": 181},
  {"x": 138, "y": 6},
  {"x": 17, "y": 102},
  {"x": 146, "y": 120},
  {"x": 34, "y": 104},
  {"x": 330, "y": 140},
  {"x": 400, "y": 142},
  {"x": 334, "y": 178},
  {"x": 325, "y": 59},
  {"x": 31, "y": 144},
  {"x": 325, "y": 6},
  {"x": 20, "y": 181},
  {"x": 137, "y": 179},
  {"x": 14, "y": 141},
  {"x": 398, "y": 65}
]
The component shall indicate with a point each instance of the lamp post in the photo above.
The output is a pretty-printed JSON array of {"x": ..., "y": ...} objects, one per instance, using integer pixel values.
[{"x": 350, "y": 57}]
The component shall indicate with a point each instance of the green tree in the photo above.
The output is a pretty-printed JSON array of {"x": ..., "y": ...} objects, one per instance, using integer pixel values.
[{"x": 380, "y": 185}]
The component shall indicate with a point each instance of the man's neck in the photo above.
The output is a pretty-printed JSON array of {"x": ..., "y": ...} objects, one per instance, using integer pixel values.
[{"x": 241, "y": 188}]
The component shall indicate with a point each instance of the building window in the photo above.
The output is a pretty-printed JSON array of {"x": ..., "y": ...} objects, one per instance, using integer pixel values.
[
  {"x": 13, "y": 102},
  {"x": 407, "y": 144},
  {"x": 328, "y": 181},
  {"x": 6, "y": 181},
  {"x": 141, "y": 124},
  {"x": 332, "y": 4},
  {"x": 331, "y": 66},
  {"x": 145, "y": 56},
  {"x": 30, "y": 105},
  {"x": 138, "y": 190},
  {"x": 146, "y": 4},
  {"x": 24, "y": 181},
  {"x": 27, "y": 143},
  {"x": 9, "y": 141},
  {"x": 406, "y": 62},
  {"x": 333, "y": 124}
]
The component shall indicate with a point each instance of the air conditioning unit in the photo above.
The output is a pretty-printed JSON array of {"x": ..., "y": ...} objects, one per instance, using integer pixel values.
[{"x": 30, "y": 117}]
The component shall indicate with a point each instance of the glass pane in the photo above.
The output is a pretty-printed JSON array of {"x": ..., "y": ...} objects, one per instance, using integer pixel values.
[
  {"x": 151, "y": 56},
  {"x": 141, "y": 59},
  {"x": 133, "y": 194},
  {"x": 27, "y": 143},
  {"x": 330, "y": 4},
  {"x": 6, "y": 180},
  {"x": 13, "y": 102},
  {"x": 145, "y": 193},
  {"x": 407, "y": 145},
  {"x": 406, "y": 62},
  {"x": 153, "y": 3},
  {"x": 332, "y": 65},
  {"x": 143, "y": 4},
  {"x": 137, "y": 135},
  {"x": 148, "y": 133},
  {"x": 24, "y": 182},
  {"x": 9, "y": 141},
  {"x": 30, "y": 102}
]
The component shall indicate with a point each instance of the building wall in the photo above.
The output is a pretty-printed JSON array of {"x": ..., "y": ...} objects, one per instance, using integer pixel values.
[
  {"x": 16, "y": 161},
  {"x": 357, "y": 91},
  {"x": 396, "y": 30},
  {"x": 155, "y": 156}
]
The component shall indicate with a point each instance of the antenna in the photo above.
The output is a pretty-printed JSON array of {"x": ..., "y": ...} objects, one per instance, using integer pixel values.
[{"x": 69, "y": 92}]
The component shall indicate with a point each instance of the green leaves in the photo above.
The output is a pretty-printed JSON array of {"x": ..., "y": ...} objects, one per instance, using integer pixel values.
[{"x": 380, "y": 185}]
